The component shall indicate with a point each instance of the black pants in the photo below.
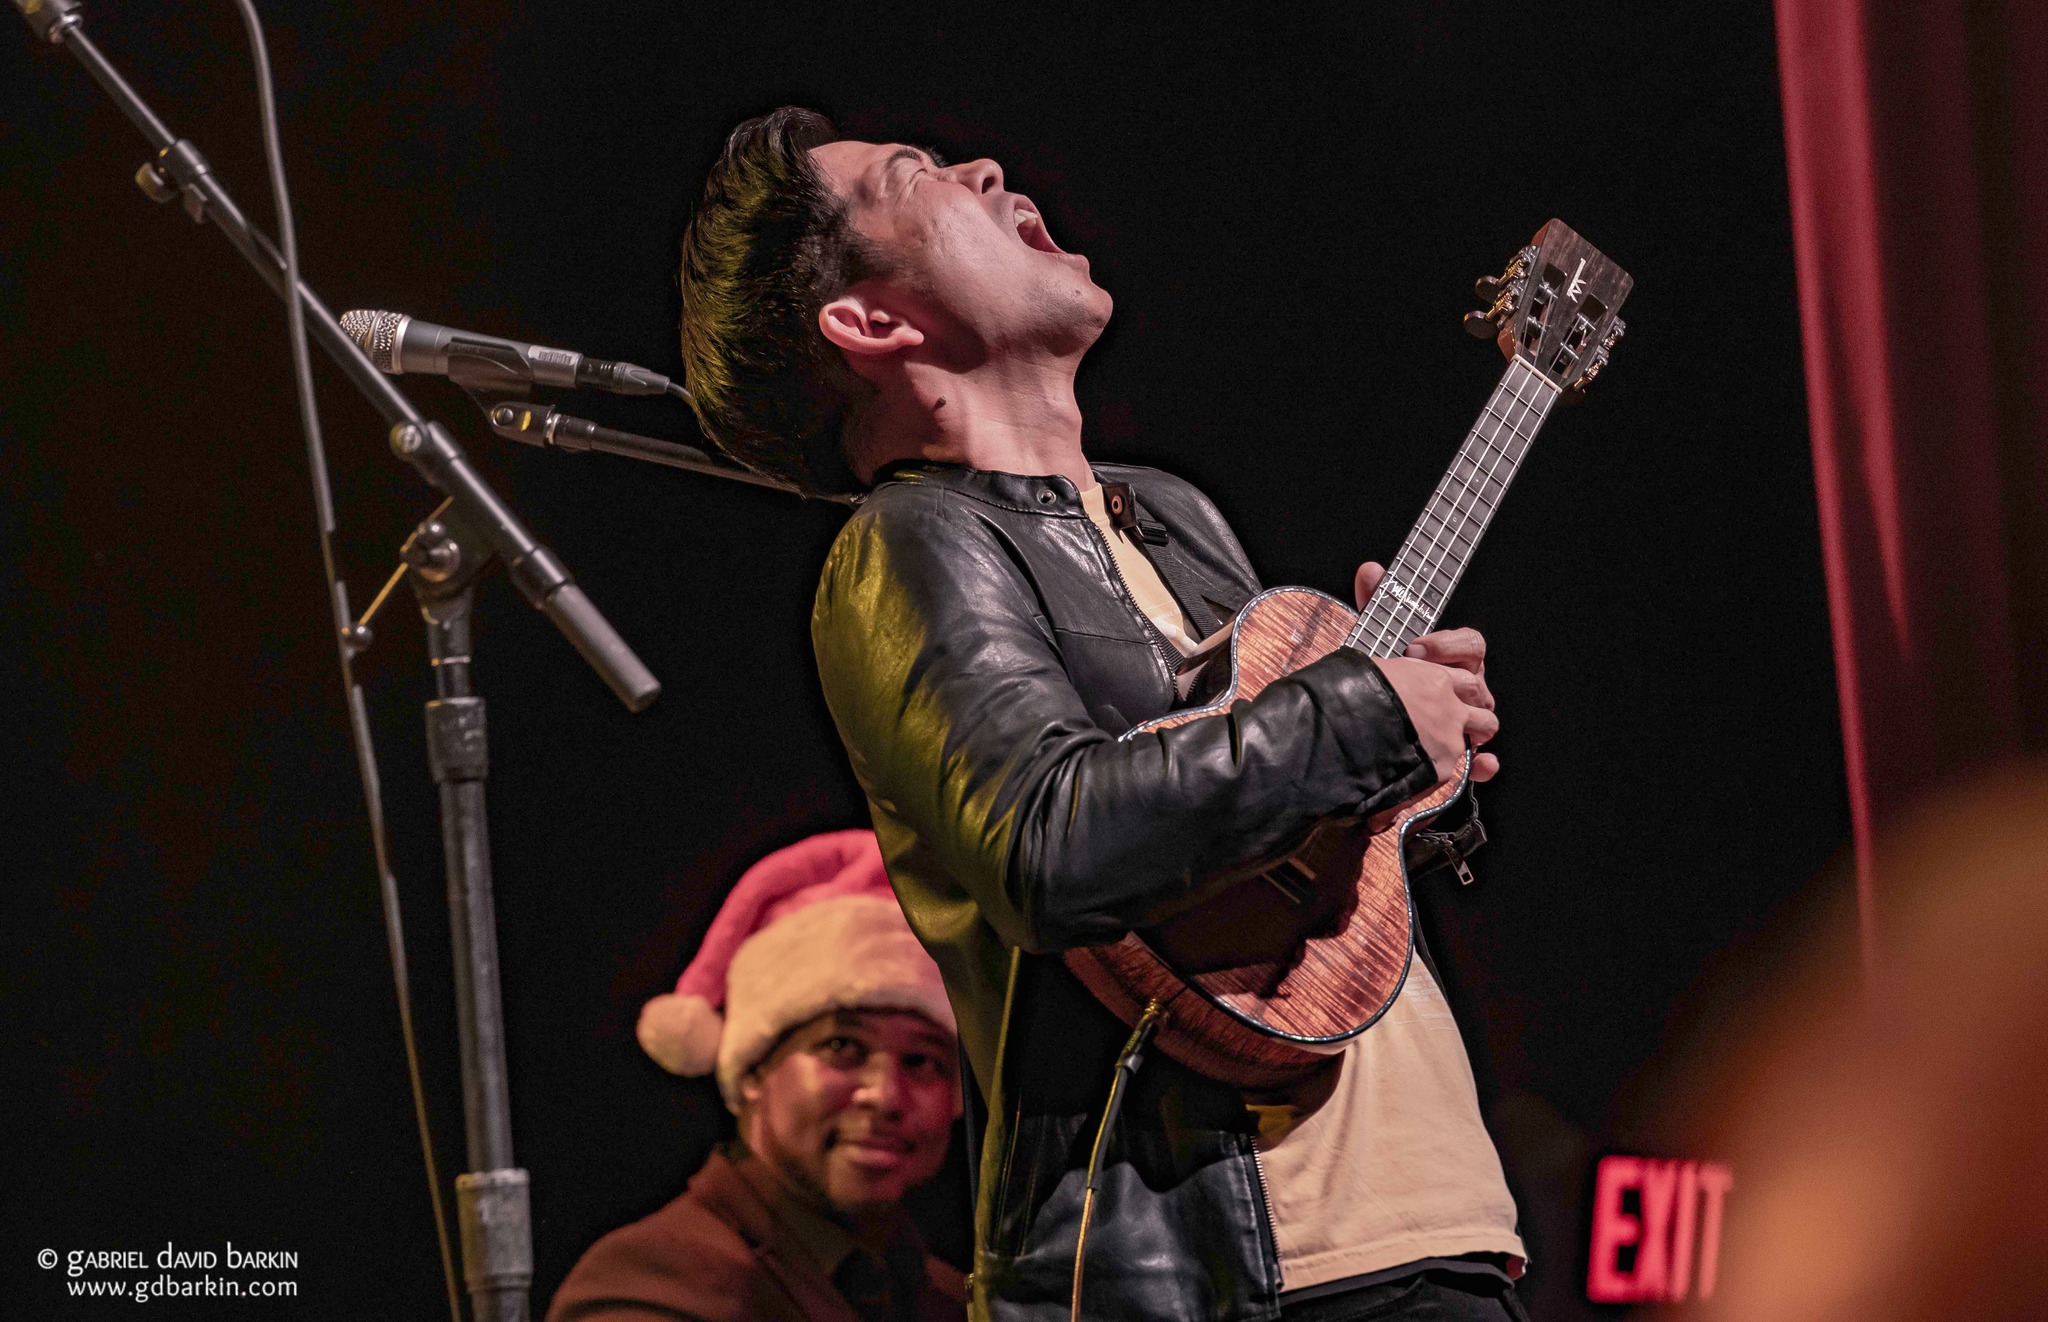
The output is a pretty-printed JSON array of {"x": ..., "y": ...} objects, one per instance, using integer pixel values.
[{"x": 1436, "y": 1296}]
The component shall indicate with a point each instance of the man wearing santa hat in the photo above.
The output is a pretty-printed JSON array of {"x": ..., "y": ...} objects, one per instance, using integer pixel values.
[{"x": 829, "y": 1032}]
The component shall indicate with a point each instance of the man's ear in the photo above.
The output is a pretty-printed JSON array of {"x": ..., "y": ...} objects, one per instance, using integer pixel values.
[{"x": 865, "y": 328}]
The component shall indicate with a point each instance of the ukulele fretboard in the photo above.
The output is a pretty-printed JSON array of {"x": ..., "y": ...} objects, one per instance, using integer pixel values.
[{"x": 1426, "y": 570}]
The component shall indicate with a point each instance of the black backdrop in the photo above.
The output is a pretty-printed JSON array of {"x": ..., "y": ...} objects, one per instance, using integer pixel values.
[{"x": 1289, "y": 211}]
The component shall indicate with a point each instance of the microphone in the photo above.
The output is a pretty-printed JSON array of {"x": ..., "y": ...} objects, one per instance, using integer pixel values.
[{"x": 398, "y": 344}]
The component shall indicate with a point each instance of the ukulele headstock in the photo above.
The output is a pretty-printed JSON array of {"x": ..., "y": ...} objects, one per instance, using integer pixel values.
[{"x": 1554, "y": 307}]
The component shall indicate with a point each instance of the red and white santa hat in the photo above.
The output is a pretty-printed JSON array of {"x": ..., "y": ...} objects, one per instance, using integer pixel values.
[{"x": 808, "y": 929}]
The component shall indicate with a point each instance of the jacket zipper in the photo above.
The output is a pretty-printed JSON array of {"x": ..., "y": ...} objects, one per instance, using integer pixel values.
[
  {"x": 1159, "y": 648},
  {"x": 1152, "y": 635},
  {"x": 1266, "y": 1198}
]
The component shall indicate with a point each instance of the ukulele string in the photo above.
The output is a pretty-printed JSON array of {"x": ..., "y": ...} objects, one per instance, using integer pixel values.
[
  {"x": 1505, "y": 454},
  {"x": 1502, "y": 455},
  {"x": 1402, "y": 618},
  {"x": 1434, "y": 548}
]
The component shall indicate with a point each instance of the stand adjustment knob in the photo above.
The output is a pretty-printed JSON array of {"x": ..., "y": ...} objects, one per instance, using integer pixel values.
[
  {"x": 432, "y": 553},
  {"x": 153, "y": 184}
]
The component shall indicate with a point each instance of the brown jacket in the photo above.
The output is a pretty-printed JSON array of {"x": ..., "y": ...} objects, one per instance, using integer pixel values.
[{"x": 724, "y": 1253}]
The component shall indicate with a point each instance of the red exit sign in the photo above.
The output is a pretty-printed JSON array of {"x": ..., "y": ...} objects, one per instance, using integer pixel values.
[{"x": 1673, "y": 1237}]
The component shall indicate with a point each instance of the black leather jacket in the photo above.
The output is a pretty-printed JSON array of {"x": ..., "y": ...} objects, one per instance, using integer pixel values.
[{"x": 980, "y": 655}]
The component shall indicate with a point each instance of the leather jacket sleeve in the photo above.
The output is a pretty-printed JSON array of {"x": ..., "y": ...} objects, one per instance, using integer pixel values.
[{"x": 946, "y": 684}]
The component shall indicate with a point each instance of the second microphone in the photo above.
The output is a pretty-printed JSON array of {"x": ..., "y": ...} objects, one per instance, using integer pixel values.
[{"x": 398, "y": 344}]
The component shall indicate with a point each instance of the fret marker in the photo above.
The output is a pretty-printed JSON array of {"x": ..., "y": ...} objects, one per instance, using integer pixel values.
[{"x": 1394, "y": 589}]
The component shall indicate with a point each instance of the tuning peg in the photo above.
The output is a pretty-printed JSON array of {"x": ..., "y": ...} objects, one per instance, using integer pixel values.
[
  {"x": 1487, "y": 288},
  {"x": 1479, "y": 325},
  {"x": 1576, "y": 392}
]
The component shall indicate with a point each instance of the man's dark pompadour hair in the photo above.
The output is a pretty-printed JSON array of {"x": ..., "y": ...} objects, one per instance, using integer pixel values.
[{"x": 769, "y": 247}]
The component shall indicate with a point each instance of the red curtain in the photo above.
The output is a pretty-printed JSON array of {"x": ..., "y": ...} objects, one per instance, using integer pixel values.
[{"x": 1916, "y": 140}]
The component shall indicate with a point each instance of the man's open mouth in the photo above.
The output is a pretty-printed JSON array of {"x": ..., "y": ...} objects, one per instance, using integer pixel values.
[{"x": 1031, "y": 229}]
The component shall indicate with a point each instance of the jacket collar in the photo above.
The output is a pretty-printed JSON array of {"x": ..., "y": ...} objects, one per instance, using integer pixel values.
[
  {"x": 1022, "y": 493},
  {"x": 804, "y": 1248},
  {"x": 727, "y": 1193},
  {"x": 822, "y": 1240}
]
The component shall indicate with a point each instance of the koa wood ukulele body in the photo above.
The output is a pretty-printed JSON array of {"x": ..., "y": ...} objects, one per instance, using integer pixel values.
[{"x": 1281, "y": 969}]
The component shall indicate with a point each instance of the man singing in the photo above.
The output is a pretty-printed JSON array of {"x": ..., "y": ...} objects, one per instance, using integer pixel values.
[{"x": 995, "y": 614}]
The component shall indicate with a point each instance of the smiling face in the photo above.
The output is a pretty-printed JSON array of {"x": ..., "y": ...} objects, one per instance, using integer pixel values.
[
  {"x": 855, "y": 1107},
  {"x": 966, "y": 262}
]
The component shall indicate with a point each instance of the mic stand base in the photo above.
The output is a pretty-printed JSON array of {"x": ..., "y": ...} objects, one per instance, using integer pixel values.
[{"x": 444, "y": 558}]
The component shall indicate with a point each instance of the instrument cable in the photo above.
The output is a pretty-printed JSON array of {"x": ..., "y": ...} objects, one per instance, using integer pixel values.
[
  {"x": 1127, "y": 1063},
  {"x": 346, "y": 638}
]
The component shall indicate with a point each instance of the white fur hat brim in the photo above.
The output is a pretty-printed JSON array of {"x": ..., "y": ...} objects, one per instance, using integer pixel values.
[{"x": 854, "y": 952}]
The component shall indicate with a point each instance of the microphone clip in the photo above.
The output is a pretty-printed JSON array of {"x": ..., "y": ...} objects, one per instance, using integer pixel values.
[{"x": 489, "y": 373}]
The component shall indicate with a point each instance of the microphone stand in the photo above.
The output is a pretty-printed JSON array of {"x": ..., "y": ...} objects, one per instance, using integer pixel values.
[
  {"x": 444, "y": 557},
  {"x": 499, "y": 384},
  {"x": 542, "y": 425},
  {"x": 179, "y": 169}
]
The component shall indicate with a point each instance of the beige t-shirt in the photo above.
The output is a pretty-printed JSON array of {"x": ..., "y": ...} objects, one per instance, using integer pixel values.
[{"x": 1397, "y": 1165}]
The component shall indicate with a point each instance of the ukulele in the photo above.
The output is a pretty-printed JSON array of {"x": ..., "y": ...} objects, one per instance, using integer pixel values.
[{"x": 1264, "y": 982}]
